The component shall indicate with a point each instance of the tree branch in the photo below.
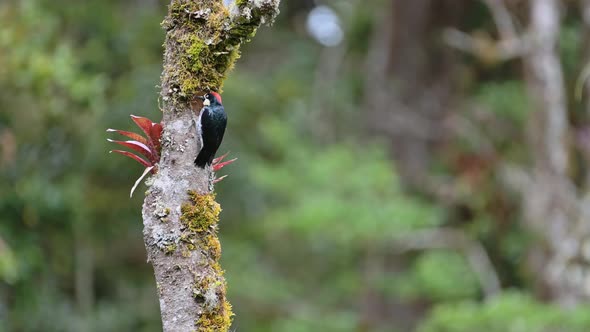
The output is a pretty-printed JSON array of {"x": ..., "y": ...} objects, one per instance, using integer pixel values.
[
  {"x": 502, "y": 18},
  {"x": 180, "y": 214},
  {"x": 510, "y": 45},
  {"x": 547, "y": 87}
]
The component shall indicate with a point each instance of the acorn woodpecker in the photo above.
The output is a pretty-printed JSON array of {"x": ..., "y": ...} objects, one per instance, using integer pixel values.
[{"x": 211, "y": 122}]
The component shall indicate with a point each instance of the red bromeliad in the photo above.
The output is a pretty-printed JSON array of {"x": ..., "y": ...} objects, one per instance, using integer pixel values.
[
  {"x": 218, "y": 164},
  {"x": 149, "y": 148}
]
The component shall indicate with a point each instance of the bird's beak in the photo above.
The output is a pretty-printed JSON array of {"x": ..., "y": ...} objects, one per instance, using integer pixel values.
[{"x": 206, "y": 101}]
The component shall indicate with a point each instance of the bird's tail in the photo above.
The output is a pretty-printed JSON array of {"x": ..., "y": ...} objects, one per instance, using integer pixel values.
[{"x": 203, "y": 159}]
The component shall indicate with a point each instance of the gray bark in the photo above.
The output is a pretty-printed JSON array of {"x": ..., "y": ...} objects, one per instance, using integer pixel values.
[{"x": 551, "y": 202}]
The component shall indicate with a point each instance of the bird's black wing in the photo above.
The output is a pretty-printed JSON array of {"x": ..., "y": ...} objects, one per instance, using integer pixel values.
[
  {"x": 212, "y": 124},
  {"x": 213, "y": 128}
]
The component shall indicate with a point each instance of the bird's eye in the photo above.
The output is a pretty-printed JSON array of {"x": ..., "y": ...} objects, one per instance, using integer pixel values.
[{"x": 207, "y": 96}]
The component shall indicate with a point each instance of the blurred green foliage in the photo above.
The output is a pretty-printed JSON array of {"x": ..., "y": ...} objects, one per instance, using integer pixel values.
[
  {"x": 507, "y": 100},
  {"x": 346, "y": 193},
  {"x": 510, "y": 312},
  {"x": 312, "y": 209}
]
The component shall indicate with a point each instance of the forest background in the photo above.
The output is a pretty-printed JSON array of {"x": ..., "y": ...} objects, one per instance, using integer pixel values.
[{"x": 403, "y": 166}]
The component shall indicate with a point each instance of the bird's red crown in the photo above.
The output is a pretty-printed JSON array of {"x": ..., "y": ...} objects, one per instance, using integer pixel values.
[{"x": 217, "y": 96}]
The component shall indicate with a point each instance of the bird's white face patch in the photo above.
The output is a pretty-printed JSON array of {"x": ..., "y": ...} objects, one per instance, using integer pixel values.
[{"x": 206, "y": 102}]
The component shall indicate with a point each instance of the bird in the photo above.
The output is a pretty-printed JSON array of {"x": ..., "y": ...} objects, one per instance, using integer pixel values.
[{"x": 211, "y": 125}]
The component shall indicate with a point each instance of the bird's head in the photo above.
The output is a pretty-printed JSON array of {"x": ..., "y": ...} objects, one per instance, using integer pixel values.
[{"x": 211, "y": 98}]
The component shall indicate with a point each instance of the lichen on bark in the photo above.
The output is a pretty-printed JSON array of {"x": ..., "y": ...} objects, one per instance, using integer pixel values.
[{"x": 203, "y": 41}]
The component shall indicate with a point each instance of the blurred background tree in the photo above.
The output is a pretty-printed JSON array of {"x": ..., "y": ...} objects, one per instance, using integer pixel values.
[{"x": 396, "y": 167}]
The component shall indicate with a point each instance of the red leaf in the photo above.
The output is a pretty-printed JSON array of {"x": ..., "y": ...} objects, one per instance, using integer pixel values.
[
  {"x": 219, "y": 159},
  {"x": 219, "y": 179},
  {"x": 218, "y": 166},
  {"x": 133, "y": 136},
  {"x": 144, "y": 123},
  {"x": 133, "y": 156},
  {"x": 155, "y": 135},
  {"x": 137, "y": 146}
]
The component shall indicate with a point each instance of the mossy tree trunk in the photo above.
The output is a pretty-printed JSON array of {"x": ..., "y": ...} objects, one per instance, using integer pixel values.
[{"x": 180, "y": 214}]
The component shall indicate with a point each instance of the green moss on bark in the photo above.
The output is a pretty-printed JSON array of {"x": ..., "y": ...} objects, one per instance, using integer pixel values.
[
  {"x": 207, "y": 39},
  {"x": 217, "y": 312},
  {"x": 200, "y": 216},
  {"x": 218, "y": 320},
  {"x": 170, "y": 249}
]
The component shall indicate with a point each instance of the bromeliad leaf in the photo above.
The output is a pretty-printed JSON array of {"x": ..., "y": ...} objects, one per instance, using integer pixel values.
[
  {"x": 132, "y": 135},
  {"x": 219, "y": 179},
  {"x": 148, "y": 146},
  {"x": 218, "y": 164},
  {"x": 137, "y": 146},
  {"x": 146, "y": 125},
  {"x": 156, "y": 135},
  {"x": 147, "y": 170},
  {"x": 220, "y": 158},
  {"x": 132, "y": 156}
]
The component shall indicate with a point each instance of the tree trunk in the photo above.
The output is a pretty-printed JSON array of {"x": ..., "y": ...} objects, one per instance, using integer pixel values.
[
  {"x": 180, "y": 214},
  {"x": 552, "y": 204},
  {"x": 550, "y": 201},
  {"x": 410, "y": 86}
]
